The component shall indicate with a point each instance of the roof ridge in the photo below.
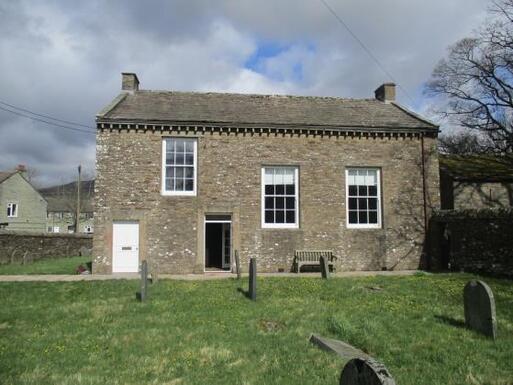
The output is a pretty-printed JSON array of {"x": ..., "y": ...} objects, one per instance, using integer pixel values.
[{"x": 254, "y": 95}]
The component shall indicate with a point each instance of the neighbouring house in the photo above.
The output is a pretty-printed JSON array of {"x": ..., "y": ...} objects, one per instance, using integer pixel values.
[
  {"x": 22, "y": 206},
  {"x": 476, "y": 181},
  {"x": 185, "y": 180},
  {"x": 62, "y": 206}
]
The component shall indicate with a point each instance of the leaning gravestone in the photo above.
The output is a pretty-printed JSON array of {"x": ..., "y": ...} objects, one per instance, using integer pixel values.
[
  {"x": 479, "y": 307},
  {"x": 252, "y": 279},
  {"x": 365, "y": 371},
  {"x": 325, "y": 269},
  {"x": 141, "y": 295}
]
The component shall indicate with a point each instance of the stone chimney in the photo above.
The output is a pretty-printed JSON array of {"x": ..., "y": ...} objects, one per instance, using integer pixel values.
[
  {"x": 129, "y": 82},
  {"x": 385, "y": 92},
  {"x": 22, "y": 169}
]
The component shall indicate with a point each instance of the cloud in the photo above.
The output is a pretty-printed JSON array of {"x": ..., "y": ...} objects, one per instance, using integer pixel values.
[{"x": 64, "y": 58}]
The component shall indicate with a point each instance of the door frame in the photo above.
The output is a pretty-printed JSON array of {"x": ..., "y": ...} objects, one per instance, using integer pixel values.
[
  {"x": 132, "y": 222},
  {"x": 228, "y": 221}
]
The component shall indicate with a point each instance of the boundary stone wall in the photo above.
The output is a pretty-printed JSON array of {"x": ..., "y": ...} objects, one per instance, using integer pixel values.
[{"x": 24, "y": 247}]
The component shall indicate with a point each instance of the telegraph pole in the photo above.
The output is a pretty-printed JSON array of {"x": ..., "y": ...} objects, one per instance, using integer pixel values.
[{"x": 77, "y": 222}]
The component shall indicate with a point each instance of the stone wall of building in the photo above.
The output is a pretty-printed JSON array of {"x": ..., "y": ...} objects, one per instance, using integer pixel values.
[
  {"x": 16, "y": 247},
  {"x": 482, "y": 195},
  {"x": 473, "y": 240},
  {"x": 128, "y": 187}
]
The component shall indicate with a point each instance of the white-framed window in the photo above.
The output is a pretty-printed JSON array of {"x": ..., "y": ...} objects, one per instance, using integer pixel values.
[
  {"x": 12, "y": 210},
  {"x": 88, "y": 229},
  {"x": 363, "y": 198},
  {"x": 280, "y": 197},
  {"x": 179, "y": 166},
  {"x": 56, "y": 229}
]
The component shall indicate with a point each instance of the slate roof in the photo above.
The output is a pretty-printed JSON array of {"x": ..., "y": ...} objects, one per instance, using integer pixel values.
[
  {"x": 263, "y": 110},
  {"x": 477, "y": 168},
  {"x": 58, "y": 197},
  {"x": 5, "y": 174}
]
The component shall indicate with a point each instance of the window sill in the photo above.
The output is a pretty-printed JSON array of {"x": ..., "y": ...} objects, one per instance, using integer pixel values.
[
  {"x": 363, "y": 227},
  {"x": 268, "y": 227},
  {"x": 178, "y": 194}
]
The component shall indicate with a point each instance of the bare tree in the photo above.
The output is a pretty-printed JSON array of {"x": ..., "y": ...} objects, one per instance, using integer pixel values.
[
  {"x": 476, "y": 79},
  {"x": 464, "y": 143}
]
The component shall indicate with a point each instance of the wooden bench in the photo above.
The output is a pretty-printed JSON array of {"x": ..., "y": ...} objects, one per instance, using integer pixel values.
[{"x": 313, "y": 257}]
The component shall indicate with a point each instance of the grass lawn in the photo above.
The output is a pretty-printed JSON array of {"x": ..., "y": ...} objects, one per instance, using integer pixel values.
[
  {"x": 207, "y": 332},
  {"x": 48, "y": 266}
]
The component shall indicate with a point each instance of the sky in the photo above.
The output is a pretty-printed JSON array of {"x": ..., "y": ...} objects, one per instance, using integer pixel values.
[{"x": 64, "y": 58}]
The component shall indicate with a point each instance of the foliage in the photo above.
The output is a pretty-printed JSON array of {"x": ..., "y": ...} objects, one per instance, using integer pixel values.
[
  {"x": 194, "y": 332},
  {"x": 476, "y": 78}
]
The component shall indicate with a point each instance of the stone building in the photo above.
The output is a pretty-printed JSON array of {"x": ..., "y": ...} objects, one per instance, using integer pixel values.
[
  {"x": 476, "y": 182},
  {"x": 62, "y": 206},
  {"x": 186, "y": 179},
  {"x": 22, "y": 206}
]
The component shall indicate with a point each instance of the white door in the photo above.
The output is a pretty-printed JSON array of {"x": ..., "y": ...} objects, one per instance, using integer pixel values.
[{"x": 125, "y": 247}]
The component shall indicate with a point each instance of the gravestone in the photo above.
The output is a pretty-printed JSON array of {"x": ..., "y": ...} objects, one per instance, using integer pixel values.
[
  {"x": 479, "y": 307},
  {"x": 237, "y": 264},
  {"x": 141, "y": 295},
  {"x": 252, "y": 279},
  {"x": 341, "y": 348},
  {"x": 325, "y": 269},
  {"x": 365, "y": 371}
]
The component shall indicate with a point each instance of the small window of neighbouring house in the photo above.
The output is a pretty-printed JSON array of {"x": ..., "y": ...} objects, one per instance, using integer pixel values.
[
  {"x": 12, "y": 210},
  {"x": 88, "y": 229},
  {"x": 280, "y": 192},
  {"x": 179, "y": 166},
  {"x": 363, "y": 197},
  {"x": 56, "y": 229}
]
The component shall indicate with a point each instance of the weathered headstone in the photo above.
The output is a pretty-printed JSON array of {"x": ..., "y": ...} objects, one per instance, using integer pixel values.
[
  {"x": 252, "y": 279},
  {"x": 85, "y": 252},
  {"x": 141, "y": 295},
  {"x": 365, "y": 371},
  {"x": 237, "y": 264},
  {"x": 325, "y": 269},
  {"x": 479, "y": 307},
  {"x": 341, "y": 348}
]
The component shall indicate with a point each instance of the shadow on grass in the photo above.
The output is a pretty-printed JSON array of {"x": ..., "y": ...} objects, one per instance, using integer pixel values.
[
  {"x": 451, "y": 321},
  {"x": 244, "y": 292}
]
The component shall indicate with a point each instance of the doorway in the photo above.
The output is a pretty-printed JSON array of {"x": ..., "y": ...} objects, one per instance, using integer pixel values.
[
  {"x": 218, "y": 242},
  {"x": 125, "y": 247}
]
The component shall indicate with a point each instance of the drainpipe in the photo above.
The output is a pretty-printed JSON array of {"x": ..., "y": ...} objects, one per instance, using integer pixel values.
[{"x": 424, "y": 197}]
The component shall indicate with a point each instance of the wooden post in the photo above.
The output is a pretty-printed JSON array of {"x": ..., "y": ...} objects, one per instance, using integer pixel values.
[
  {"x": 141, "y": 295},
  {"x": 252, "y": 279},
  {"x": 237, "y": 264},
  {"x": 77, "y": 219},
  {"x": 325, "y": 269}
]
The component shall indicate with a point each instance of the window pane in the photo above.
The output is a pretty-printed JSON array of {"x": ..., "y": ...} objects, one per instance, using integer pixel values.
[
  {"x": 373, "y": 191},
  {"x": 268, "y": 179},
  {"x": 291, "y": 216},
  {"x": 373, "y": 217},
  {"x": 269, "y": 189},
  {"x": 353, "y": 218},
  {"x": 189, "y": 184},
  {"x": 362, "y": 203},
  {"x": 280, "y": 203},
  {"x": 360, "y": 178},
  {"x": 362, "y": 190},
  {"x": 280, "y": 216},
  {"x": 170, "y": 172},
  {"x": 189, "y": 172},
  {"x": 371, "y": 178},
  {"x": 189, "y": 146},
  {"x": 353, "y": 190},
  {"x": 180, "y": 145},
  {"x": 269, "y": 216},
  {"x": 189, "y": 159},
  {"x": 179, "y": 184},
  {"x": 352, "y": 204},
  {"x": 169, "y": 184},
  {"x": 362, "y": 217},
  {"x": 179, "y": 158},
  {"x": 170, "y": 157},
  {"x": 269, "y": 203},
  {"x": 351, "y": 176},
  {"x": 290, "y": 203},
  {"x": 288, "y": 176},
  {"x": 280, "y": 189},
  {"x": 373, "y": 203},
  {"x": 179, "y": 172},
  {"x": 289, "y": 189}
]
